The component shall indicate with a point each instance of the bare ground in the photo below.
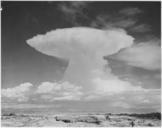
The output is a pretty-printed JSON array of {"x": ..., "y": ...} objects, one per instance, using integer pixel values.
[{"x": 76, "y": 120}]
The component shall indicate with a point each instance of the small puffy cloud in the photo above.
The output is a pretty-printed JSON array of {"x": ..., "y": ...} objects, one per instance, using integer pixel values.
[
  {"x": 59, "y": 91},
  {"x": 19, "y": 93},
  {"x": 48, "y": 87},
  {"x": 131, "y": 11},
  {"x": 143, "y": 55},
  {"x": 47, "y": 90}
]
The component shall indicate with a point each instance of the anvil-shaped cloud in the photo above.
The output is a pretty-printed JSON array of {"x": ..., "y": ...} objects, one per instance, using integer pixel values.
[{"x": 85, "y": 49}]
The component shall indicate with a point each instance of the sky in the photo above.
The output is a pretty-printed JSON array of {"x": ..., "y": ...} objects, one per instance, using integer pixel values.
[{"x": 81, "y": 56}]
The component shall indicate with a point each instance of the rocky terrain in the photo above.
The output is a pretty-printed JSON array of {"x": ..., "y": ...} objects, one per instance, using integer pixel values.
[{"x": 81, "y": 120}]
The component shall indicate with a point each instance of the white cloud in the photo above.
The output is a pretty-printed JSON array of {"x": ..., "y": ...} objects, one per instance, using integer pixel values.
[
  {"x": 114, "y": 86},
  {"x": 47, "y": 90},
  {"x": 19, "y": 92},
  {"x": 81, "y": 40},
  {"x": 144, "y": 55},
  {"x": 84, "y": 48},
  {"x": 59, "y": 91},
  {"x": 48, "y": 87},
  {"x": 116, "y": 93},
  {"x": 129, "y": 100}
]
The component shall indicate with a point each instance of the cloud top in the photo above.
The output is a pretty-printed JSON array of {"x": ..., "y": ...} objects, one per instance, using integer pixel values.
[
  {"x": 65, "y": 42},
  {"x": 84, "y": 48}
]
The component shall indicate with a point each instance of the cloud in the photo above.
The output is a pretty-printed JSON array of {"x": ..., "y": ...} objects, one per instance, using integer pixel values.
[
  {"x": 135, "y": 75},
  {"x": 73, "y": 10},
  {"x": 129, "y": 96},
  {"x": 19, "y": 93},
  {"x": 131, "y": 11},
  {"x": 114, "y": 86},
  {"x": 148, "y": 99},
  {"x": 48, "y": 87},
  {"x": 59, "y": 91},
  {"x": 81, "y": 40},
  {"x": 27, "y": 106},
  {"x": 141, "y": 28},
  {"x": 143, "y": 55},
  {"x": 124, "y": 23},
  {"x": 120, "y": 104},
  {"x": 84, "y": 48},
  {"x": 47, "y": 91},
  {"x": 133, "y": 100},
  {"x": 158, "y": 76},
  {"x": 113, "y": 21},
  {"x": 125, "y": 18}
]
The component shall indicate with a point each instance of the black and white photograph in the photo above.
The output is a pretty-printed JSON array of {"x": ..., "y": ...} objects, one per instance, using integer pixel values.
[{"x": 80, "y": 63}]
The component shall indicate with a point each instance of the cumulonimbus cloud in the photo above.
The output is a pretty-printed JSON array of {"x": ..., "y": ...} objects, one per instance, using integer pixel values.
[{"x": 84, "y": 48}]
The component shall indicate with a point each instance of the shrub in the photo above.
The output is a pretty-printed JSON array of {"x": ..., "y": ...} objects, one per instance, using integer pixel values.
[
  {"x": 149, "y": 124},
  {"x": 9, "y": 114},
  {"x": 156, "y": 115}
]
